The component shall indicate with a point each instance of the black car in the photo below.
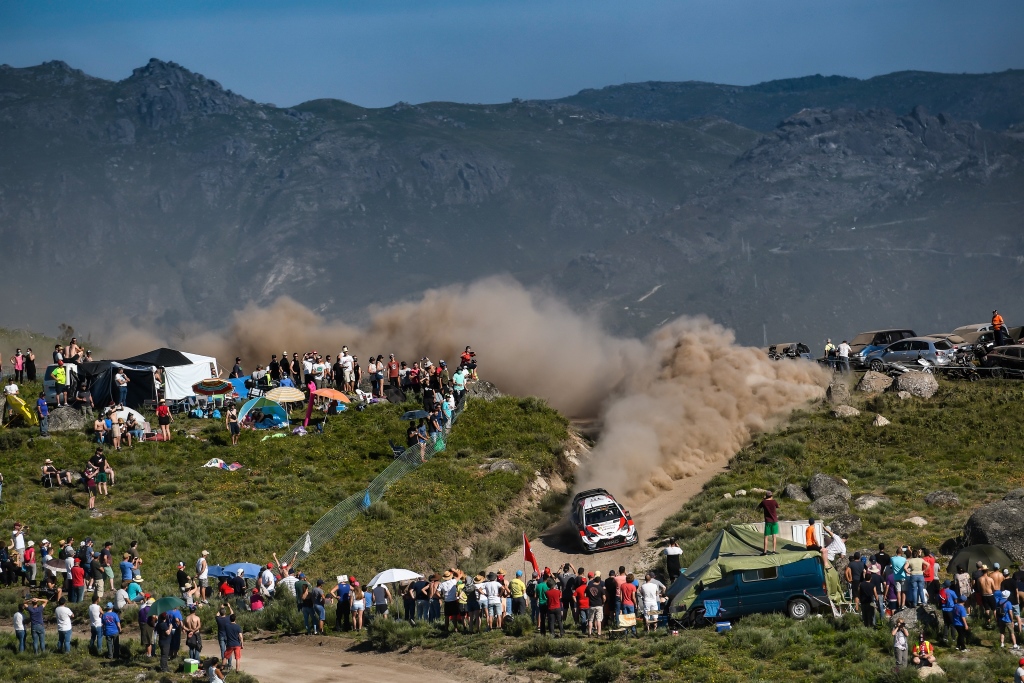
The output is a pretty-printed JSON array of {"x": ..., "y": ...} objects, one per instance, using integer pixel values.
[{"x": 1008, "y": 357}]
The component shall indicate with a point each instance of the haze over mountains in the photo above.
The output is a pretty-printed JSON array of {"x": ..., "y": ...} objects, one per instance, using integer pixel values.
[{"x": 793, "y": 209}]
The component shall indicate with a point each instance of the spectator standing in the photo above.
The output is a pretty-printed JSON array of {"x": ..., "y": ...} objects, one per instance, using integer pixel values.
[
  {"x": 844, "y": 352},
  {"x": 121, "y": 380},
  {"x": 30, "y": 365},
  {"x": 18, "y": 360},
  {"x": 672, "y": 554},
  {"x": 900, "y": 643},
  {"x": 203, "y": 577},
  {"x": 596, "y": 597},
  {"x": 998, "y": 329},
  {"x": 554, "y": 609},
  {"x": 163, "y": 418},
  {"x": 517, "y": 591},
  {"x": 770, "y": 507},
  {"x": 19, "y": 626},
  {"x": 163, "y": 635},
  {"x": 627, "y": 595},
  {"x": 64, "y": 616},
  {"x": 236, "y": 370},
  {"x": 342, "y": 593},
  {"x": 112, "y": 632},
  {"x": 96, "y": 625},
  {"x": 947, "y": 602},
  {"x": 43, "y": 411},
  {"x": 235, "y": 642},
  {"x": 915, "y": 575},
  {"x": 35, "y": 615},
  {"x": 960, "y": 624},
  {"x": 193, "y": 633}
]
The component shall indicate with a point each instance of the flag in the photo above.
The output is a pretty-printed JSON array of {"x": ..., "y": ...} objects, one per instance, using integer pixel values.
[
  {"x": 528, "y": 554},
  {"x": 307, "y": 545},
  {"x": 366, "y": 500}
]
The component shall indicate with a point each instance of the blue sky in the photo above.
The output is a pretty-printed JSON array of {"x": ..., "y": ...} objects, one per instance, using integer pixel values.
[{"x": 377, "y": 53}]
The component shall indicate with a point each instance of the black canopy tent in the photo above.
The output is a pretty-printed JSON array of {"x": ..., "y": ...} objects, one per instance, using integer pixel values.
[
  {"x": 161, "y": 358},
  {"x": 100, "y": 377}
]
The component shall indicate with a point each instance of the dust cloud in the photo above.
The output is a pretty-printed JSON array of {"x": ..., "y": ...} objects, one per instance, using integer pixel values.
[{"x": 685, "y": 397}]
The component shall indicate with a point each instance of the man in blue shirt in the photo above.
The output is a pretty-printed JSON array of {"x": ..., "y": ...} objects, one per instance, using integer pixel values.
[
  {"x": 343, "y": 594},
  {"x": 1004, "y": 611},
  {"x": 127, "y": 567},
  {"x": 35, "y": 613},
  {"x": 960, "y": 624},
  {"x": 43, "y": 411},
  {"x": 947, "y": 598},
  {"x": 112, "y": 632}
]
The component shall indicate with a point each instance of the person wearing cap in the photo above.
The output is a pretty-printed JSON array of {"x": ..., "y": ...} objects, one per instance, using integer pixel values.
[
  {"x": 267, "y": 582},
  {"x": 342, "y": 593},
  {"x": 29, "y": 565},
  {"x": 960, "y": 624},
  {"x": 203, "y": 578},
  {"x": 517, "y": 591},
  {"x": 112, "y": 632},
  {"x": 1004, "y": 613},
  {"x": 193, "y": 633},
  {"x": 923, "y": 653}
]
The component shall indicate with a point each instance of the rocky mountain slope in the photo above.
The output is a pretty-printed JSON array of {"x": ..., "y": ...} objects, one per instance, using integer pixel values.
[{"x": 166, "y": 200}]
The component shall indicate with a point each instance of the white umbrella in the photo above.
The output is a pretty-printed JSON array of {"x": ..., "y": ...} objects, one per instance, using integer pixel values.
[{"x": 394, "y": 576}]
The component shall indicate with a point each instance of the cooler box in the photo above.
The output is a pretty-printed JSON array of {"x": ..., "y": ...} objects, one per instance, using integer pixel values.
[
  {"x": 723, "y": 626},
  {"x": 191, "y": 666}
]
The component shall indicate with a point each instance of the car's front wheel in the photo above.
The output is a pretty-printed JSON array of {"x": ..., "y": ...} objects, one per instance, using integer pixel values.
[
  {"x": 798, "y": 608},
  {"x": 877, "y": 365}
]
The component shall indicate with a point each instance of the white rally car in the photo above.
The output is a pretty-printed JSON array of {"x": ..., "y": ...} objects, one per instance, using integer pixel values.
[{"x": 601, "y": 521}]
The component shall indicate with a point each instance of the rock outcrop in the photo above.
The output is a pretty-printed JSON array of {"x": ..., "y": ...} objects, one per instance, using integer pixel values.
[
  {"x": 1000, "y": 523},
  {"x": 838, "y": 393},
  {"x": 869, "y": 501},
  {"x": 942, "y": 499},
  {"x": 482, "y": 389},
  {"x": 880, "y": 421},
  {"x": 794, "y": 492},
  {"x": 846, "y": 524},
  {"x": 830, "y": 506},
  {"x": 916, "y": 521},
  {"x": 845, "y": 411},
  {"x": 66, "y": 420}
]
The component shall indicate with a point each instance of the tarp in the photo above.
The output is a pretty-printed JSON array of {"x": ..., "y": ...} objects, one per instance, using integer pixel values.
[
  {"x": 738, "y": 548},
  {"x": 161, "y": 358},
  {"x": 267, "y": 407},
  {"x": 100, "y": 377},
  {"x": 17, "y": 406},
  {"x": 178, "y": 379},
  {"x": 239, "y": 384},
  {"x": 198, "y": 358}
]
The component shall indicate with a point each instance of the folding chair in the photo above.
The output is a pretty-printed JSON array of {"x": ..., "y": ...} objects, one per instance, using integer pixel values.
[{"x": 396, "y": 449}]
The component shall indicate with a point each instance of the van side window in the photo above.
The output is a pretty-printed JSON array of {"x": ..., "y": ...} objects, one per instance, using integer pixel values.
[
  {"x": 765, "y": 574},
  {"x": 802, "y": 568}
]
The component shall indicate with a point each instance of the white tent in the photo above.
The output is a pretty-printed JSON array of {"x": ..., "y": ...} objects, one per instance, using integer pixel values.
[
  {"x": 178, "y": 380},
  {"x": 123, "y": 412}
]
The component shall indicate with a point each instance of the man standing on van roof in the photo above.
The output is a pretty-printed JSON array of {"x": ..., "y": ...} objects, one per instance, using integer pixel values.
[
  {"x": 770, "y": 506},
  {"x": 998, "y": 328}
]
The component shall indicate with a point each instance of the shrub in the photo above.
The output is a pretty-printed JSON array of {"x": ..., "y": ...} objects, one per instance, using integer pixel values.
[
  {"x": 380, "y": 511},
  {"x": 128, "y": 505},
  {"x": 165, "y": 489},
  {"x": 605, "y": 671},
  {"x": 387, "y": 635},
  {"x": 520, "y": 626},
  {"x": 11, "y": 440},
  {"x": 249, "y": 506}
]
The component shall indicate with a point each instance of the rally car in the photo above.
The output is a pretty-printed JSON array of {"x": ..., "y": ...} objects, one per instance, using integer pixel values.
[{"x": 601, "y": 521}]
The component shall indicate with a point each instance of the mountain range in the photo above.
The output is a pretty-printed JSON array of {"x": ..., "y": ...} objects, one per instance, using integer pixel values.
[{"x": 787, "y": 210}]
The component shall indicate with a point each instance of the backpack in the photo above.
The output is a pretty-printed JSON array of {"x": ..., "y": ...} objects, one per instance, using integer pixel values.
[{"x": 531, "y": 589}]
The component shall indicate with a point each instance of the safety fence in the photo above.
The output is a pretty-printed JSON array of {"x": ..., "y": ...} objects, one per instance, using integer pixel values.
[{"x": 343, "y": 514}]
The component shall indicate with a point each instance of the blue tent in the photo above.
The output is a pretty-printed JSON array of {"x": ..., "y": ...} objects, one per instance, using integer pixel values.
[
  {"x": 273, "y": 414},
  {"x": 239, "y": 385}
]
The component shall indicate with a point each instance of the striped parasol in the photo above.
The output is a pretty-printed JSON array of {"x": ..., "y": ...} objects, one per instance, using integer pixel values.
[
  {"x": 285, "y": 395},
  {"x": 213, "y": 386}
]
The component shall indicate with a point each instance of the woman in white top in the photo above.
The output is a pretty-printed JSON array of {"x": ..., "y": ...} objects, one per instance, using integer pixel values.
[{"x": 213, "y": 672}]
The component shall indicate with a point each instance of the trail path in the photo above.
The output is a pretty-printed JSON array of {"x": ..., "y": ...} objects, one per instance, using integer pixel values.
[
  {"x": 560, "y": 543},
  {"x": 329, "y": 660}
]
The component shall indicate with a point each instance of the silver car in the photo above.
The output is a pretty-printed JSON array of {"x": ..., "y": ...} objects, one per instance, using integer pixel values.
[{"x": 935, "y": 351}]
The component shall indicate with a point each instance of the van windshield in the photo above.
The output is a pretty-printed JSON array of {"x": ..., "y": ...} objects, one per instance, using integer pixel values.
[
  {"x": 863, "y": 339},
  {"x": 605, "y": 513}
]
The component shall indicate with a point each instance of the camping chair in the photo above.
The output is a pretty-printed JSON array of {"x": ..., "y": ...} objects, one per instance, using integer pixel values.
[
  {"x": 396, "y": 449},
  {"x": 49, "y": 480},
  {"x": 707, "y": 614}
]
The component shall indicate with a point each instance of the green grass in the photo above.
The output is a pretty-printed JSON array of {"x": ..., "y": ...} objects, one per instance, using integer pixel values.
[
  {"x": 175, "y": 508},
  {"x": 961, "y": 440}
]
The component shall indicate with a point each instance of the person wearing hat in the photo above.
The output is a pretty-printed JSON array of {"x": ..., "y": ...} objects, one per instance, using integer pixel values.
[
  {"x": 133, "y": 591},
  {"x": 203, "y": 577},
  {"x": 517, "y": 591},
  {"x": 29, "y": 565},
  {"x": 112, "y": 632},
  {"x": 267, "y": 582},
  {"x": 447, "y": 591},
  {"x": 1004, "y": 617},
  {"x": 923, "y": 653}
]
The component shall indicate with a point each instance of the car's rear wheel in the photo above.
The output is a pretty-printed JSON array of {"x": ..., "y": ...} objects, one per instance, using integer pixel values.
[
  {"x": 997, "y": 373},
  {"x": 798, "y": 608},
  {"x": 877, "y": 365}
]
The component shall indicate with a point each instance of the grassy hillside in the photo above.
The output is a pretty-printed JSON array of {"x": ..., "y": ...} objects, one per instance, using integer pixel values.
[
  {"x": 175, "y": 508},
  {"x": 961, "y": 440}
]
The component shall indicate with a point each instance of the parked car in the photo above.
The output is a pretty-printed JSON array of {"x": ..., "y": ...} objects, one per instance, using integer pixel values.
[
  {"x": 788, "y": 350},
  {"x": 988, "y": 338},
  {"x": 783, "y": 588},
  {"x": 955, "y": 339},
  {"x": 867, "y": 343},
  {"x": 601, "y": 522},
  {"x": 1009, "y": 357},
  {"x": 964, "y": 330},
  {"x": 935, "y": 351}
]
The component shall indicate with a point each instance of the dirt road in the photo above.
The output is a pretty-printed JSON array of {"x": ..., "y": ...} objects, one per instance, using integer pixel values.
[
  {"x": 328, "y": 660},
  {"x": 560, "y": 543}
]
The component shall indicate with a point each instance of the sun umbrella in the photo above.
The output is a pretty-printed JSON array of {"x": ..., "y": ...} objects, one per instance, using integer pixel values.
[
  {"x": 394, "y": 395},
  {"x": 332, "y": 394},
  {"x": 249, "y": 570},
  {"x": 285, "y": 395},
  {"x": 983, "y": 552},
  {"x": 56, "y": 566},
  {"x": 394, "y": 576},
  {"x": 415, "y": 415},
  {"x": 166, "y": 605},
  {"x": 213, "y": 387}
]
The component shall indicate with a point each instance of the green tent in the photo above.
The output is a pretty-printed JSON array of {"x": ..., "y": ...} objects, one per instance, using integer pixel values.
[{"x": 738, "y": 548}]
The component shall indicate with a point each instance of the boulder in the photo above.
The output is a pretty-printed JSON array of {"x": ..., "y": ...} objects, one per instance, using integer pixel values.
[
  {"x": 917, "y": 617},
  {"x": 869, "y": 501},
  {"x": 880, "y": 421},
  {"x": 845, "y": 411},
  {"x": 942, "y": 499},
  {"x": 920, "y": 384},
  {"x": 846, "y": 525},
  {"x": 933, "y": 670},
  {"x": 824, "y": 485},
  {"x": 726, "y": 495},
  {"x": 874, "y": 382},
  {"x": 904, "y": 395},
  {"x": 66, "y": 420},
  {"x": 838, "y": 393},
  {"x": 1000, "y": 523},
  {"x": 740, "y": 493},
  {"x": 916, "y": 521},
  {"x": 794, "y": 492},
  {"x": 830, "y": 506}
]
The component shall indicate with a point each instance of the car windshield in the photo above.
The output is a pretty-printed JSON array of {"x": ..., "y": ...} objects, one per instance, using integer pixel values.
[
  {"x": 605, "y": 513},
  {"x": 943, "y": 345},
  {"x": 863, "y": 339}
]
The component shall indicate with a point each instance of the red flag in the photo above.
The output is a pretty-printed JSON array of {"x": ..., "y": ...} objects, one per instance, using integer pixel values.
[{"x": 528, "y": 554}]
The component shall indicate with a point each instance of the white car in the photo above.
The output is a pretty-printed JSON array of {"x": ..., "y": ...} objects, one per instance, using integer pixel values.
[{"x": 601, "y": 522}]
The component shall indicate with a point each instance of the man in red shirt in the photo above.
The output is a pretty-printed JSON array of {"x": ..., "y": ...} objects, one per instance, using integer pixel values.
[
  {"x": 583, "y": 603},
  {"x": 77, "y": 582},
  {"x": 554, "y": 596},
  {"x": 392, "y": 371}
]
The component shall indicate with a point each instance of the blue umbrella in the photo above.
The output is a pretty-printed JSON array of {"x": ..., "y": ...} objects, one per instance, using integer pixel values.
[
  {"x": 415, "y": 415},
  {"x": 250, "y": 570},
  {"x": 216, "y": 571}
]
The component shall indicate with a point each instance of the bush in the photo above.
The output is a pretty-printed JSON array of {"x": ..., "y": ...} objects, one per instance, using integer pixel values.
[
  {"x": 380, "y": 511},
  {"x": 11, "y": 440},
  {"x": 387, "y": 635},
  {"x": 520, "y": 626},
  {"x": 605, "y": 671},
  {"x": 165, "y": 489}
]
